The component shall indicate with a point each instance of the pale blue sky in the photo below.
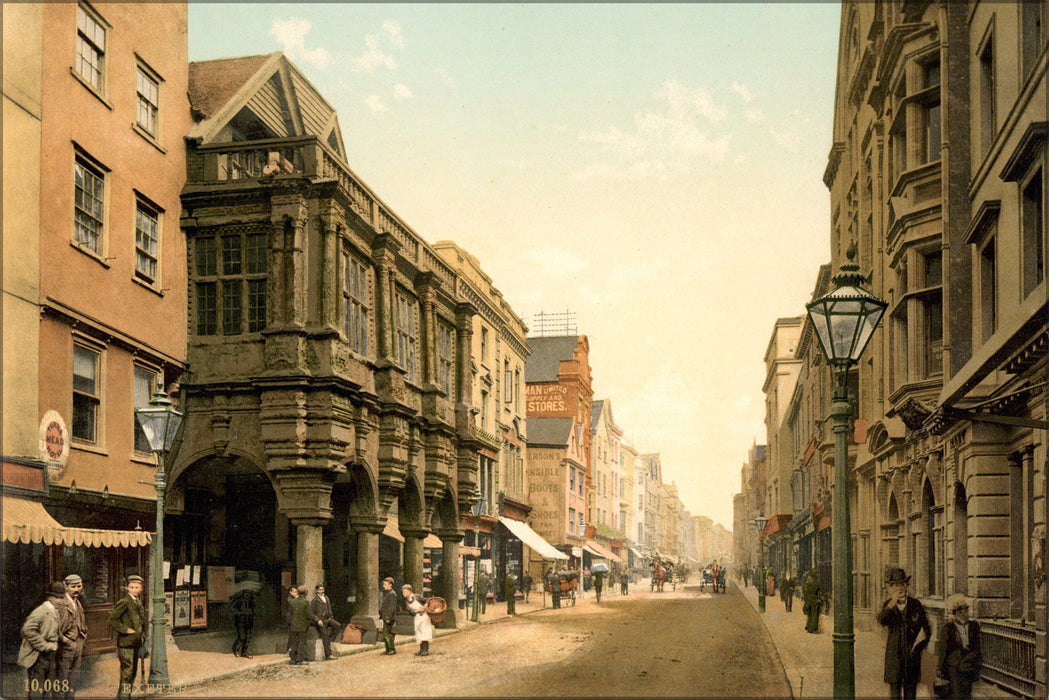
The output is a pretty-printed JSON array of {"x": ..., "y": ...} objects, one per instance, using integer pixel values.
[{"x": 654, "y": 168}]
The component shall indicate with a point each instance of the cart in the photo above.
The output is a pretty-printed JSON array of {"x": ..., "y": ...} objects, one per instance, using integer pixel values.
[{"x": 569, "y": 581}]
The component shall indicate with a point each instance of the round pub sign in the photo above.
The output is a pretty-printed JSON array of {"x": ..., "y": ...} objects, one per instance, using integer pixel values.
[{"x": 54, "y": 443}]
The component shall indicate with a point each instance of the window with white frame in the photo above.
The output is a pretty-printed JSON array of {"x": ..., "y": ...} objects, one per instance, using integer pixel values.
[
  {"x": 147, "y": 96},
  {"x": 89, "y": 190},
  {"x": 571, "y": 521},
  {"x": 445, "y": 356},
  {"x": 355, "y": 285},
  {"x": 508, "y": 382},
  {"x": 406, "y": 339},
  {"x": 147, "y": 241},
  {"x": 90, "y": 47},
  {"x": 87, "y": 398},
  {"x": 145, "y": 380}
]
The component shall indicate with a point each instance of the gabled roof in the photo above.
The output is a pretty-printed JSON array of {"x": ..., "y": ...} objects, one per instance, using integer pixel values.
[
  {"x": 544, "y": 364},
  {"x": 550, "y": 432},
  {"x": 268, "y": 92},
  {"x": 595, "y": 413}
]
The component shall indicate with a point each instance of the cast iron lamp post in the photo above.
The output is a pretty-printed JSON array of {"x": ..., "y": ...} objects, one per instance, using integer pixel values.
[
  {"x": 476, "y": 509},
  {"x": 844, "y": 320},
  {"x": 759, "y": 523},
  {"x": 159, "y": 421}
]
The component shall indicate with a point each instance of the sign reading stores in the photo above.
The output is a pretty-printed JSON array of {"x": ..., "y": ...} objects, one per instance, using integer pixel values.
[{"x": 547, "y": 399}]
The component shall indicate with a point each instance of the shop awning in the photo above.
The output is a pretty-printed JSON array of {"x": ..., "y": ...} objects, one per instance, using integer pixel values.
[
  {"x": 432, "y": 541},
  {"x": 637, "y": 554},
  {"x": 27, "y": 522},
  {"x": 666, "y": 557},
  {"x": 532, "y": 538},
  {"x": 602, "y": 551},
  {"x": 393, "y": 530}
]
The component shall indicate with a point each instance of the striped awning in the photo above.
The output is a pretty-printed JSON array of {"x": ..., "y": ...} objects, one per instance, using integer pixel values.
[{"x": 27, "y": 522}]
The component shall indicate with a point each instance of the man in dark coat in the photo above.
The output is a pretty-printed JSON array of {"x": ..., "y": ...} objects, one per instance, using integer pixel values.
[
  {"x": 786, "y": 592},
  {"x": 321, "y": 615},
  {"x": 599, "y": 583},
  {"x": 909, "y": 633},
  {"x": 72, "y": 634},
  {"x": 813, "y": 596},
  {"x": 553, "y": 581},
  {"x": 526, "y": 584},
  {"x": 128, "y": 620},
  {"x": 242, "y": 610},
  {"x": 388, "y": 614},
  {"x": 298, "y": 624},
  {"x": 961, "y": 657},
  {"x": 510, "y": 590}
]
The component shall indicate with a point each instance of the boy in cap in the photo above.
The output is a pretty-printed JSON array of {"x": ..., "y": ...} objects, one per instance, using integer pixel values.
[
  {"x": 128, "y": 620},
  {"x": 40, "y": 643},
  {"x": 298, "y": 624},
  {"x": 388, "y": 615},
  {"x": 961, "y": 655},
  {"x": 72, "y": 633},
  {"x": 909, "y": 633}
]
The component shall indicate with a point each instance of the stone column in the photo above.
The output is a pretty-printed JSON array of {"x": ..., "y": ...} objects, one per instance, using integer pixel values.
[
  {"x": 450, "y": 576},
  {"x": 384, "y": 255},
  {"x": 366, "y": 610},
  {"x": 309, "y": 553},
  {"x": 412, "y": 559}
]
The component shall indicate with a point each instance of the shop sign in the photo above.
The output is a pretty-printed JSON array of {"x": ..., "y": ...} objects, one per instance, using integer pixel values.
[{"x": 54, "y": 443}]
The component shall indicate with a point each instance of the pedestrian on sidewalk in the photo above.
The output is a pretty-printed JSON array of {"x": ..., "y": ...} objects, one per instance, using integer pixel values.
[
  {"x": 510, "y": 591},
  {"x": 242, "y": 610},
  {"x": 321, "y": 615},
  {"x": 72, "y": 634},
  {"x": 553, "y": 581},
  {"x": 293, "y": 593},
  {"x": 40, "y": 633},
  {"x": 624, "y": 583},
  {"x": 909, "y": 633},
  {"x": 786, "y": 592},
  {"x": 298, "y": 624},
  {"x": 813, "y": 596},
  {"x": 599, "y": 582},
  {"x": 526, "y": 584},
  {"x": 128, "y": 620},
  {"x": 770, "y": 583},
  {"x": 388, "y": 615},
  {"x": 484, "y": 584},
  {"x": 962, "y": 659},
  {"x": 423, "y": 626}
]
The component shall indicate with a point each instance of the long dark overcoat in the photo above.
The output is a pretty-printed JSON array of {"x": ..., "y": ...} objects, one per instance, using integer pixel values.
[{"x": 902, "y": 658}]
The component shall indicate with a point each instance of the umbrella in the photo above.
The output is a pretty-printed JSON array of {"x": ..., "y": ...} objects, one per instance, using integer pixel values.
[{"x": 599, "y": 569}]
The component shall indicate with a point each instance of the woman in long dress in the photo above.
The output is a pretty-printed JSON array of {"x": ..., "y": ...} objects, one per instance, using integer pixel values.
[{"x": 423, "y": 627}]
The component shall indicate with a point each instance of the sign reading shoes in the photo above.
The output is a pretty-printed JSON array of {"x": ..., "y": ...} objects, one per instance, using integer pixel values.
[{"x": 54, "y": 443}]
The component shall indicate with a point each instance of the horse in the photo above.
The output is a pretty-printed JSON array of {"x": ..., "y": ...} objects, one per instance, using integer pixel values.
[{"x": 659, "y": 574}]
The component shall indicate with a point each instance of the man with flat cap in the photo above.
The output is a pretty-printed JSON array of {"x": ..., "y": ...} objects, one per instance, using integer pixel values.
[
  {"x": 40, "y": 643},
  {"x": 909, "y": 633},
  {"x": 128, "y": 621},
  {"x": 388, "y": 614},
  {"x": 72, "y": 634}
]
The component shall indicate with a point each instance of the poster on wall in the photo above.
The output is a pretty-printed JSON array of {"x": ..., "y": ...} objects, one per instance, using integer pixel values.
[
  {"x": 199, "y": 608},
  {"x": 181, "y": 609},
  {"x": 217, "y": 590},
  {"x": 169, "y": 609}
]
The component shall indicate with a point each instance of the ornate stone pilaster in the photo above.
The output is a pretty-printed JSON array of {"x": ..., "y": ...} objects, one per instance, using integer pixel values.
[
  {"x": 384, "y": 254},
  {"x": 329, "y": 292},
  {"x": 426, "y": 285}
]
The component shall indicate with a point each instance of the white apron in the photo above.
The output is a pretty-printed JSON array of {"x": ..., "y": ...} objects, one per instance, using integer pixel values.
[{"x": 423, "y": 627}]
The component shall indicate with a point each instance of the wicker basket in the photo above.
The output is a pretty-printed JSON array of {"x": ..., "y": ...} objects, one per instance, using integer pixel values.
[{"x": 435, "y": 608}]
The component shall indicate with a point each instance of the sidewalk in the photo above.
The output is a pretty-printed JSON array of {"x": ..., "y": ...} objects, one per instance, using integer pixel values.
[
  {"x": 808, "y": 659},
  {"x": 201, "y": 658}
]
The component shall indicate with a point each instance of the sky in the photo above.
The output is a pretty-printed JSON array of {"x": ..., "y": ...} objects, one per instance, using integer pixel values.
[{"x": 654, "y": 169}]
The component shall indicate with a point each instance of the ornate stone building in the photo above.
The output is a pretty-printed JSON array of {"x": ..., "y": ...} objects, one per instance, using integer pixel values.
[
  {"x": 937, "y": 173},
  {"x": 329, "y": 385}
]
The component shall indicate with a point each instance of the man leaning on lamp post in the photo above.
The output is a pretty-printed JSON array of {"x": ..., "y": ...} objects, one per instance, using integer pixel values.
[{"x": 909, "y": 633}]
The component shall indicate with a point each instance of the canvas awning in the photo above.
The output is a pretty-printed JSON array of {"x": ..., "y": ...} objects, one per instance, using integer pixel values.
[
  {"x": 532, "y": 538},
  {"x": 599, "y": 550},
  {"x": 27, "y": 522}
]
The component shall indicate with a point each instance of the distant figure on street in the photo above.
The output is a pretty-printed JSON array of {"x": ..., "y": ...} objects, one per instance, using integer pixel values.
[
  {"x": 242, "y": 610},
  {"x": 484, "y": 584},
  {"x": 587, "y": 579},
  {"x": 770, "y": 583},
  {"x": 599, "y": 582},
  {"x": 746, "y": 576},
  {"x": 553, "y": 582},
  {"x": 510, "y": 591},
  {"x": 293, "y": 593},
  {"x": 388, "y": 615},
  {"x": 72, "y": 635},
  {"x": 786, "y": 593},
  {"x": 909, "y": 633},
  {"x": 961, "y": 658},
  {"x": 40, "y": 643},
  {"x": 721, "y": 578},
  {"x": 624, "y": 583},
  {"x": 812, "y": 594},
  {"x": 526, "y": 584},
  {"x": 423, "y": 626},
  {"x": 321, "y": 615},
  {"x": 298, "y": 625},
  {"x": 128, "y": 621}
]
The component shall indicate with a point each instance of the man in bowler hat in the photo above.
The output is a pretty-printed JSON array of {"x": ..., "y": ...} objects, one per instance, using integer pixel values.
[{"x": 909, "y": 633}]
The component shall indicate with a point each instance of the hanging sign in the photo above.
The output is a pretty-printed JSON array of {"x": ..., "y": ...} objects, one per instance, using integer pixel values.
[{"x": 54, "y": 443}]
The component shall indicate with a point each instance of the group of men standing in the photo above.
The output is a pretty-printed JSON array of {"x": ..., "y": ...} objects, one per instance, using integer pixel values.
[{"x": 53, "y": 639}]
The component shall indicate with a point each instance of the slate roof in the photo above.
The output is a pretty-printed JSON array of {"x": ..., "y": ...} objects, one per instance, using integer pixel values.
[
  {"x": 213, "y": 83},
  {"x": 595, "y": 413},
  {"x": 544, "y": 364},
  {"x": 552, "y": 432}
]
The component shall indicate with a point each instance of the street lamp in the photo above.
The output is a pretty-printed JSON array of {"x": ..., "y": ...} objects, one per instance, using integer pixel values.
[
  {"x": 844, "y": 320},
  {"x": 159, "y": 421},
  {"x": 476, "y": 509},
  {"x": 759, "y": 522}
]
